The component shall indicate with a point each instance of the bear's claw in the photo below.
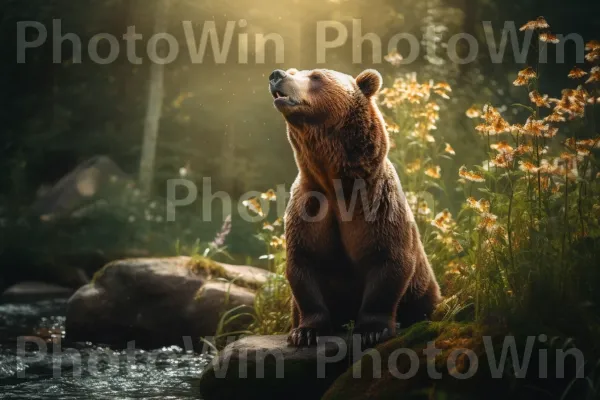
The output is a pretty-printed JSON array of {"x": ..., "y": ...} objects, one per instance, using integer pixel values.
[
  {"x": 371, "y": 339},
  {"x": 302, "y": 337}
]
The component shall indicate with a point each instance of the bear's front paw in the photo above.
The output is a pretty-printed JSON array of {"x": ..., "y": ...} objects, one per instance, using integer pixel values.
[{"x": 302, "y": 337}]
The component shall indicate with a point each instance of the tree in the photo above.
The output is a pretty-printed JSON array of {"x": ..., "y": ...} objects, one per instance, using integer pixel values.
[{"x": 155, "y": 103}]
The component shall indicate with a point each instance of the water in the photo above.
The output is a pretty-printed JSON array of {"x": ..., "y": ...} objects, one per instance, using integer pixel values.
[{"x": 35, "y": 373}]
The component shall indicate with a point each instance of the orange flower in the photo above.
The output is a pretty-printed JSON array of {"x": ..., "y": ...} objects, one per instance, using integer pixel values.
[
  {"x": 527, "y": 73},
  {"x": 554, "y": 117},
  {"x": 502, "y": 147},
  {"x": 524, "y": 149},
  {"x": 488, "y": 222},
  {"x": 481, "y": 206},
  {"x": 538, "y": 99},
  {"x": 449, "y": 149},
  {"x": 527, "y": 167},
  {"x": 503, "y": 160},
  {"x": 269, "y": 195},
  {"x": 524, "y": 76},
  {"x": 539, "y": 23},
  {"x": 434, "y": 172},
  {"x": 473, "y": 112},
  {"x": 593, "y": 55},
  {"x": 520, "y": 81},
  {"x": 577, "y": 73},
  {"x": 413, "y": 167},
  {"x": 442, "y": 94},
  {"x": 442, "y": 86},
  {"x": 594, "y": 75},
  {"x": 535, "y": 127},
  {"x": 394, "y": 58},
  {"x": 470, "y": 175},
  {"x": 549, "y": 37},
  {"x": 443, "y": 221},
  {"x": 592, "y": 45}
]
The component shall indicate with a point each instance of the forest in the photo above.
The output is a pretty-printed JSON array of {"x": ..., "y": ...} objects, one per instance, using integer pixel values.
[{"x": 119, "y": 144}]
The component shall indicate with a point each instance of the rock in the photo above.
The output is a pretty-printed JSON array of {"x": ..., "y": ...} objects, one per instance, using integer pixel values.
[
  {"x": 248, "y": 369},
  {"x": 36, "y": 289},
  {"x": 461, "y": 368},
  {"x": 88, "y": 183},
  {"x": 159, "y": 302}
]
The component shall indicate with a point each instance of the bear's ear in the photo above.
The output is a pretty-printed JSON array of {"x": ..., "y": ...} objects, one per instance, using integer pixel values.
[{"x": 369, "y": 82}]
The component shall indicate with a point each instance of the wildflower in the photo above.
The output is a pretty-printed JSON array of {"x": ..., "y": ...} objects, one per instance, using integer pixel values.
[
  {"x": 456, "y": 268},
  {"x": 503, "y": 160},
  {"x": 556, "y": 116},
  {"x": 534, "y": 127},
  {"x": 254, "y": 205},
  {"x": 548, "y": 37},
  {"x": 524, "y": 149},
  {"x": 520, "y": 81},
  {"x": 550, "y": 132},
  {"x": 392, "y": 127},
  {"x": 443, "y": 86},
  {"x": 593, "y": 55},
  {"x": 269, "y": 195},
  {"x": 538, "y": 99},
  {"x": 443, "y": 221},
  {"x": 413, "y": 167},
  {"x": 268, "y": 227},
  {"x": 278, "y": 222},
  {"x": 442, "y": 94},
  {"x": 411, "y": 199},
  {"x": 481, "y": 205},
  {"x": 423, "y": 209},
  {"x": 434, "y": 172},
  {"x": 502, "y": 147},
  {"x": 488, "y": 222},
  {"x": 572, "y": 102},
  {"x": 594, "y": 75},
  {"x": 539, "y": 23},
  {"x": 470, "y": 175},
  {"x": 527, "y": 166},
  {"x": 473, "y": 112},
  {"x": 449, "y": 149},
  {"x": 277, "y": 242},
  {"x": 577, "y": 73},
  {"x": 394, "y": 58},
  {"x": 592, "y": 45},
  {"x": 527, "y": 73},
  {"x": 219, "y": 240}
]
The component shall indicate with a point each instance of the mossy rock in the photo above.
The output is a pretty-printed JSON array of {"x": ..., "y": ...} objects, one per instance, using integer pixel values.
[{"x": 395, "y": 382}]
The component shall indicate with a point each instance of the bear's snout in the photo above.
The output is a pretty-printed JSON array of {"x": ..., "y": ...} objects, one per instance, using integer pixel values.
[{"x": 277, "y": 76}]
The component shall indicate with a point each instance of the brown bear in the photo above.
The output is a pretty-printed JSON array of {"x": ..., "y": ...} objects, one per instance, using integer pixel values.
[{"x": 353, "y": 247}]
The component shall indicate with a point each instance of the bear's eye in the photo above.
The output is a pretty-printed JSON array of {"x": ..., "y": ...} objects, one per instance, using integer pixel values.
[{"x": 316, "y": 77}]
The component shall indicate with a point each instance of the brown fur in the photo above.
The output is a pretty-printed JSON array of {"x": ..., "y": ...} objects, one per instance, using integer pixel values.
[{"x": 373, "y": 271}]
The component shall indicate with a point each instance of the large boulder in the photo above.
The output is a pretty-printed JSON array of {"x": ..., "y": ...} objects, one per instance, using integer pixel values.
[
  {"x": 89, "y": 182},
  {"x": 159, "y": 302},
  {"x": 265, "y": 367}
]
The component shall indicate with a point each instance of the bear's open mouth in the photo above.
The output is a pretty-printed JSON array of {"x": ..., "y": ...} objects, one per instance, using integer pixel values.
[{"x": 281, "y": 98}]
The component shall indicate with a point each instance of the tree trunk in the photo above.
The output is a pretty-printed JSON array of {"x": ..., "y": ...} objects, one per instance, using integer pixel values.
[{"x": 155, "y": 103}]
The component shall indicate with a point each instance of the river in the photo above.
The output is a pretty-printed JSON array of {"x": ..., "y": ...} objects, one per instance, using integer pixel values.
[{"x": 42, "y": 365}]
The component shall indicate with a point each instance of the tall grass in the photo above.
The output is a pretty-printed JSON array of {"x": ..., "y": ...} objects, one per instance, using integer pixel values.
[{"x": 525, "y": 239}]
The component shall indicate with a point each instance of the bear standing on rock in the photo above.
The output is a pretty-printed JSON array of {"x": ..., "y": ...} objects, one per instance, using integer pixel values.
[{"x": 353, "y": 246}]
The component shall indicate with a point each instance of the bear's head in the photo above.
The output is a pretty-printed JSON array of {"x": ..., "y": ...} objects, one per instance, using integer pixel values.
[{"x": 321, "y": 96}]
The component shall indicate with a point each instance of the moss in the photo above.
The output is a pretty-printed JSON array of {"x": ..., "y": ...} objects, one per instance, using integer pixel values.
[
  {"x": 101, "y": 272},
  {"x": 448, "y": 336},
  {"x": 205, "y": 266}
]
